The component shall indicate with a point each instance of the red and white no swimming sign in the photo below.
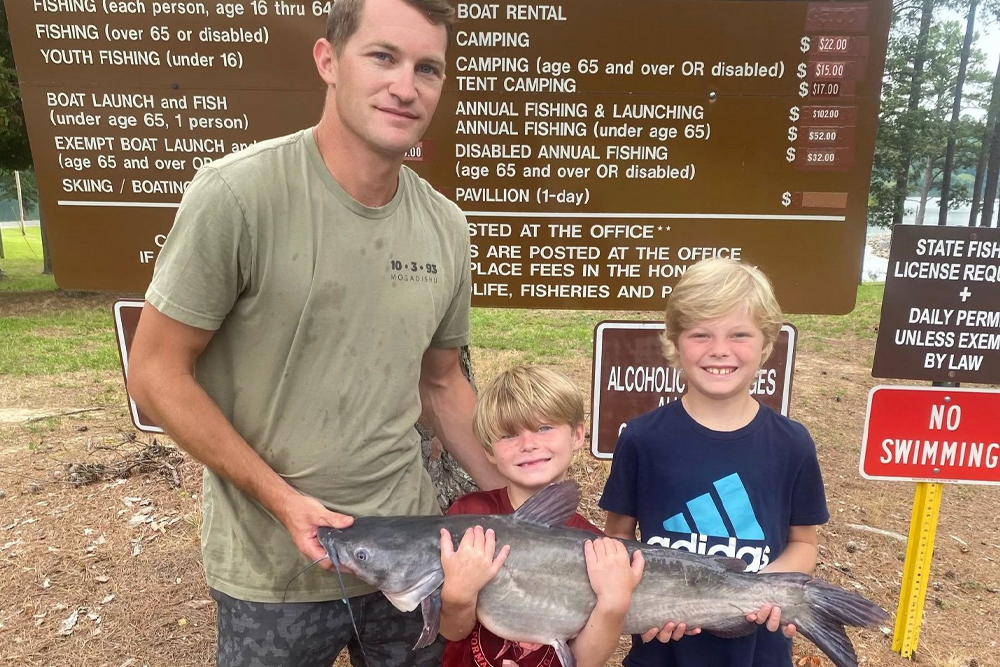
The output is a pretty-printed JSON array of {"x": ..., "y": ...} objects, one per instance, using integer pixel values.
[{"x": 932, "y": 434}]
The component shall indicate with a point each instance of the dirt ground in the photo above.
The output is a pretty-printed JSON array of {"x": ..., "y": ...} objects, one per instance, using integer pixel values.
[{"x": 99, "y": 525}]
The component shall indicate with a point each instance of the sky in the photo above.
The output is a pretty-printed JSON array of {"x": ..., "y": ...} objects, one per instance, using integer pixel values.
[{"x": 989, "y": 34}]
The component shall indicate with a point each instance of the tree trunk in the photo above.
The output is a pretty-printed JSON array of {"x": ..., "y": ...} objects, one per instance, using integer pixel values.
[
  {"x": 925, "y": 189},
  {"x": 984, "y": 150},
  {"x": 902, "y": 176},
  {"x": 46, "y": 257},
  {"x": 992, "y": 176},
  {"x": 450, "y": 480},
  {"x": 956, "y": 109}
]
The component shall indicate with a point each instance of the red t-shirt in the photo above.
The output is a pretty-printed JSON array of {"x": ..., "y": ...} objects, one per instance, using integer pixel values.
[{"x": 482, "y": 648}]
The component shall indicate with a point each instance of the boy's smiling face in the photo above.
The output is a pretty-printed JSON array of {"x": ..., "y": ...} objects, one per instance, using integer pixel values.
[
  {"x": 533, "y": 458},
  {"x": 721, "y": 357}
]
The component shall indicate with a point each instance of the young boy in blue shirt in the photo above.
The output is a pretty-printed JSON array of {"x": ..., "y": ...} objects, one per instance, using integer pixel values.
[{"x": 716, "y": 472}]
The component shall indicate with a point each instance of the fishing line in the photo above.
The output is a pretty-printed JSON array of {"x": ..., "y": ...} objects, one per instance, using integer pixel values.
[{"x": 343, "y": 589}]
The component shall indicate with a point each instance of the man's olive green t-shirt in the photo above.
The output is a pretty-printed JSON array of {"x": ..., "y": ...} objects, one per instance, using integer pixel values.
[{"x": 322, "y": 310}]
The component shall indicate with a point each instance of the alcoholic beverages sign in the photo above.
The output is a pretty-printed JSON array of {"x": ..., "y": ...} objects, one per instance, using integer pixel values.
[{"x": 631, "y": 377}]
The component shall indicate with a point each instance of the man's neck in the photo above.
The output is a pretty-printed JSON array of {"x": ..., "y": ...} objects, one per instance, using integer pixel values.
[
  {"x": 369, "y": 178},
  {"x": 730, "y": 414}
]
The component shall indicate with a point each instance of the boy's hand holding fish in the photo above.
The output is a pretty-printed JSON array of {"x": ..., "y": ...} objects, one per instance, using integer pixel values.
[
  {"x": 612, "y": 575},
  {"x": 475, "y": 562},
  {"x": 466, "y": 570},
  {"x": 472, "y": 565}
]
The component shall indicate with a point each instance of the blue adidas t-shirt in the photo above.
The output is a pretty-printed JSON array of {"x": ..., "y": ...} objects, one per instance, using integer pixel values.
[{"x": 730, "y": 494}]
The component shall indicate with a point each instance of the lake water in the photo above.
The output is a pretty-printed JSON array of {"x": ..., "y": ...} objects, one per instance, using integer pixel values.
[
  {"x": 958, "y": 216},
  {"x": 875, "y": 267}
]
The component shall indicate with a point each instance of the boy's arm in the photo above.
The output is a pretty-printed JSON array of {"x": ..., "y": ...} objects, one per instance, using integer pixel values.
[
  {"x": 623, "y": 527},
  {"x": 799, "y": 555},
  {"x": 620, "y": 526},
  {"x": 800, "y": 552},
  {"x": 466, "y": 570},
  {"x": 613, "y": 577}
]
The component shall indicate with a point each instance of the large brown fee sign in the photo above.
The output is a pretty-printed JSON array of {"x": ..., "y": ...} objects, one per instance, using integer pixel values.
[
  {"x": 597, "y": 148},
  {"x": 941, "y": 310},
  {"x": 631, "y": 377}
]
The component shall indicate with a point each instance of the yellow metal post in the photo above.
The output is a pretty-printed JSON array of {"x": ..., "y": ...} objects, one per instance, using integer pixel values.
[{"x": 916, "y": 569}]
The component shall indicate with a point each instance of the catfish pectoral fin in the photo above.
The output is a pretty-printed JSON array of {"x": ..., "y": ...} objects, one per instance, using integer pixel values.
[
  {"x": 410, "y": 598},
  {"x": 430, "y": 607},
  {"x": 564, "y": 653}
]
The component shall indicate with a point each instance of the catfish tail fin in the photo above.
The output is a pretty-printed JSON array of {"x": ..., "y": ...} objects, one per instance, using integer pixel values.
[{"x": 830, "y": 609}]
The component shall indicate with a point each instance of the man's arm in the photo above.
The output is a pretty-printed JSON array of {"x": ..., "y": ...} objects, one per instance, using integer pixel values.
[
  {"x": 161, "y": 381},
  {"x": 448, "y": 402}
]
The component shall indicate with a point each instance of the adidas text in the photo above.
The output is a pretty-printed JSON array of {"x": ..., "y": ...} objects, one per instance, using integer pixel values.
[{"x": 759, "y": 556}]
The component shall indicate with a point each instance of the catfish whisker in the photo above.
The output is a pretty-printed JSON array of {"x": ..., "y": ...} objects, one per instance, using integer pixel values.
[
  {"x": 299, "y": 574},
  {"x": 343, "y": 589}
]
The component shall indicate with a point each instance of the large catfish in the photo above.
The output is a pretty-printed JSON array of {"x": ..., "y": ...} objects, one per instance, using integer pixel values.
[{"x": 542, "y": 593}]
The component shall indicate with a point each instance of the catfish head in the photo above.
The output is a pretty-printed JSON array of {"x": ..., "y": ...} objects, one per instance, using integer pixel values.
[{"x": 400, "y": 556}]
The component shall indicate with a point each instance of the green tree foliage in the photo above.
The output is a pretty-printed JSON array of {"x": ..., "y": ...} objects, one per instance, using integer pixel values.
[
  {"x": 988, "y": 172},
  {"x": 14, "y": 150},
  {"x": 920, "y": 136},
  {"x": 894, "y": 124},
  {"x": 8, "y": 194}
]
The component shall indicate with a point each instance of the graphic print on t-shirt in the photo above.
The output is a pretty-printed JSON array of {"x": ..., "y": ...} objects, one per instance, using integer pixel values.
[
  {"x": 719, "y": 522},
  {"x": 407, "y": 270}
]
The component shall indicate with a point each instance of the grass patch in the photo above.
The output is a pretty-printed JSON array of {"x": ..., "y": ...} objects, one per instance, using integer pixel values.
[
  {"x": 68, "y": 341},
  {"x": 46, "y": 425},
  {"x": 862, "y": 322},
  {"x": 83, "y": 338},
  {"x": 554, "y": 336},
  {"x": 55, "y": 341},
  {"x": 542, "y": 336},
  {"x": 22, "y": 263}
]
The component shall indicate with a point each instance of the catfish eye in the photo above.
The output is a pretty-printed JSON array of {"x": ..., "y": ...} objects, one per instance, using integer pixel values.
[{"x": 362, "y": 554}]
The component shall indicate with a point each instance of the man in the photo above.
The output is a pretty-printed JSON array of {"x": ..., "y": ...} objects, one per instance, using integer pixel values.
[{"x": 312, "y": 284}]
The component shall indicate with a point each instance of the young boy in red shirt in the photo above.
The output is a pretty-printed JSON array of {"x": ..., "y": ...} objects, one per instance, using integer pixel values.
[{"x": 530, "y": 420}]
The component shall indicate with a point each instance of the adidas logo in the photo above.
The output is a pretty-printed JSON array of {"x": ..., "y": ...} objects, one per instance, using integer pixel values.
[
  {"x": 731, "y": 518},
  {"x": 698, "y": 544}
]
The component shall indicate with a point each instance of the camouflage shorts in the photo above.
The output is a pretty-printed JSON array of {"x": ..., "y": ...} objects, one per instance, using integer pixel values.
[{"x": 312, "y": 634}]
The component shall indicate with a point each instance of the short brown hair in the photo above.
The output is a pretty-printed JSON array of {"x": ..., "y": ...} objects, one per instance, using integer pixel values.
[
  {"x": 345, "y": 16},
  {"x": 713, "y": 288},
  {"x": 522, "y": 397}
]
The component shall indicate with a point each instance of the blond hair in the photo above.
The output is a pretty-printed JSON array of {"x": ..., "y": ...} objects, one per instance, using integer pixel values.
[
  {"x": 713, "y": 288},
  {"x": 345, "y": 17},
  {"x": 523, "y": 397}
]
